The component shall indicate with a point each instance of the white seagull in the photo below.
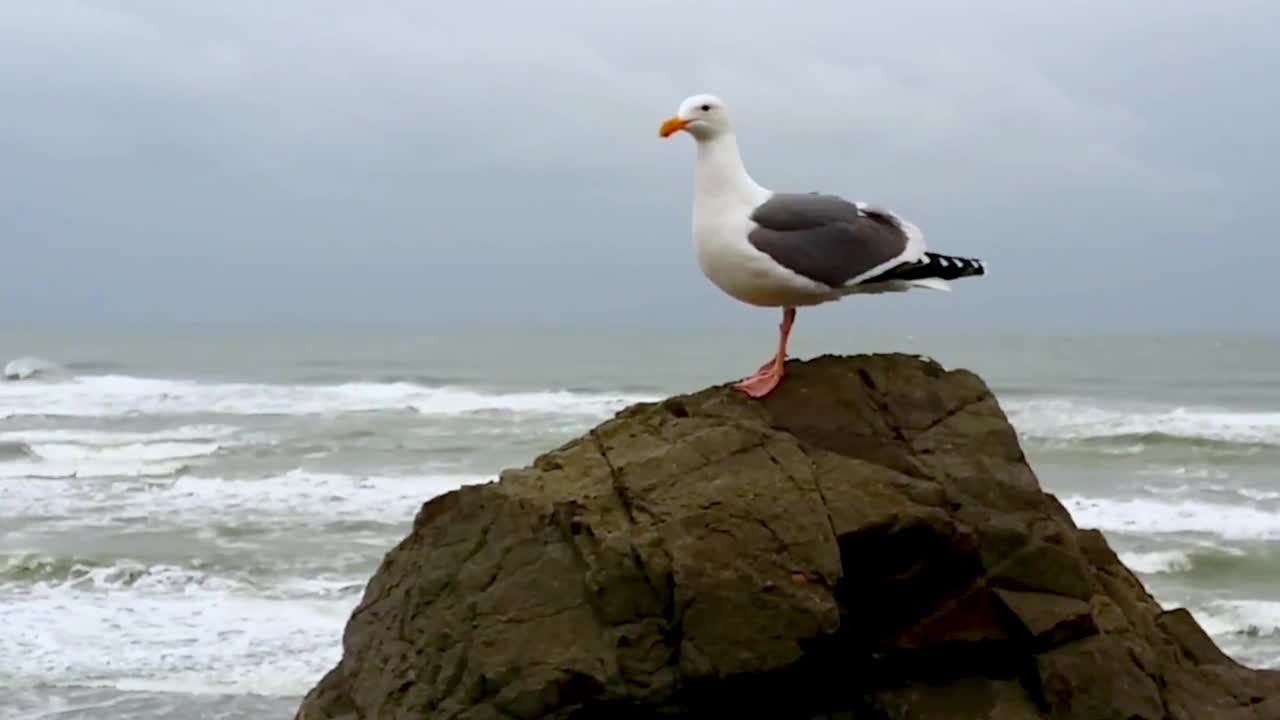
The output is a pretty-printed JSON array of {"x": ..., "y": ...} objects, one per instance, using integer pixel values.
[{"x": 790, "y": 250}]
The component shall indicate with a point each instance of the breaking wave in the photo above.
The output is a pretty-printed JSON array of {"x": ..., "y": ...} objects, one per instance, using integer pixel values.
[
  {"x": 14, "y": 450},
  {"x": 48, "y": 573},
  {"x": 1241, "y": 617},
  {"x": 1158, "y": 562},
  {"x": 1073, "y": 422},
  {"x": 1207, "y": 561},
  {"x": 196, "y": 500},
  {"x": 1245, "y": 629},
  {"x": 1148, "y": 516},
  {"x": 72, "y": 453},
  {"x": 139, "y": 626},
  {"x": 123, "y": 395},
  {"x": 28, "y": 368}
]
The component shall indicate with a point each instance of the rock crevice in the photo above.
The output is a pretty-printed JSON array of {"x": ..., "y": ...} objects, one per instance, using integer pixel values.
[{"x": 868, "y": 542}]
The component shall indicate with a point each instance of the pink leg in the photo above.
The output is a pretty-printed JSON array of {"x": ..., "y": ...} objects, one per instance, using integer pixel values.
[{"x": 766, "y": 379}]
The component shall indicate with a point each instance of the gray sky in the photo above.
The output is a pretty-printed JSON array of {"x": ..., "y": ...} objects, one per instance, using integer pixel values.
[{"x": 402, "y": 162}]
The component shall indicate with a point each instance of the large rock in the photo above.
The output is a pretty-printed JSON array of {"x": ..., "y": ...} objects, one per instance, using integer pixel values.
[{"x": 868, "y": 542}]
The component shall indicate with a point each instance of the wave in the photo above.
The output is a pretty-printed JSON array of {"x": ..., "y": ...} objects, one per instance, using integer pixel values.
[
  {"x": 1158, "y": 562},
  {"x": 1205, "y": 560},
  {"x": 1213, "y": 491},
  {"x": 326, "y": 496},
  {"x": 193, "y": 627},
  {"x": 158, "y": 627},
  {"x": 159, "y": 450},
  {"x": 93, "y": 574},
  {"x": 1246, "y": 629},
  {"x": 112, "y": 438},
  {"x": 14, "y": 450},
  {"x": 46, "y": 470},
  {"x": 122, "y": 395},
  {"x": 72, "y": 453},
  {"x": 1255, "y": 495},
  {"x": 29, "y": 368},
  {"x": 1254, "y": 618},
  {"x": 92, "y": 700},
  {"x": 1185, "y": 472},
  {"x": 1076, "y": 422},
  {"x": 1148, "y": 516},
  {"x": 84, "y": 574},
  {"x": 190, "y": 500}
]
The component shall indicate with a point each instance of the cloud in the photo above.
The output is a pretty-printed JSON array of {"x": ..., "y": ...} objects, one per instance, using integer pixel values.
[{"x": 410, "y": 154}]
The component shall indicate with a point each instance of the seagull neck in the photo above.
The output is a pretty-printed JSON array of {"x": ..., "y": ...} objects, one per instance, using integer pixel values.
[{"x": 721, "y": 174}]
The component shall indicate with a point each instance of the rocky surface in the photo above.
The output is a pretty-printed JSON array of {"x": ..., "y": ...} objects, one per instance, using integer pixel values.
[{"x": 867, "y": 543}]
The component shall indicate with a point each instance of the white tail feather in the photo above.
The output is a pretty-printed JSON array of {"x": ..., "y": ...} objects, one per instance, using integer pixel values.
[{"x": 933, "y": 284}]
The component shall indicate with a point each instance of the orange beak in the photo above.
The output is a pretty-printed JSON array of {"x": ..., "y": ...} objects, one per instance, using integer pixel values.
[{"x": 672, "y": 126}]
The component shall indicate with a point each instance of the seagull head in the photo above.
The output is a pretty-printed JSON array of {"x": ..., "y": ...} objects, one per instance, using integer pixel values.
[{"x": 702, "y": 116}]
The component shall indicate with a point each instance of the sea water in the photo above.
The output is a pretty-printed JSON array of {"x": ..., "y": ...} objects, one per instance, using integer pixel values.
[{"x": 188, "y": 518}]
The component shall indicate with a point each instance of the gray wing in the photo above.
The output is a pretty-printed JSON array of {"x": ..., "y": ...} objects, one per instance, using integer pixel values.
[{"x": 827, "y": 238}]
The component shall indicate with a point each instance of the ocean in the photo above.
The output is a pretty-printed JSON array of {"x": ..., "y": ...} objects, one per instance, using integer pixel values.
[{"x": 187, "y": 518}]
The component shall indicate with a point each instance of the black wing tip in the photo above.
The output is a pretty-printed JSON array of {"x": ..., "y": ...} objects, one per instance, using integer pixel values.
[
  {"x": 934, "y": 267},
  {"x": 949, "y": 267}
]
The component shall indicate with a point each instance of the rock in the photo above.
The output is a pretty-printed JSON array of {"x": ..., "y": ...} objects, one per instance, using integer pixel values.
[
  {"x": 866, "y": 543},
  {"x": 1050, "y": 620},
  {"x": 1097, "y": 678}
]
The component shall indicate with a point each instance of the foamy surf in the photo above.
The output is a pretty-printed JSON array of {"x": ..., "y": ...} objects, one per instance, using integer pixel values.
[
  {"x": 1241, "y": 617},
  {"x": 321, "y": 496},
  {"x": 30, "y": 367},
  {"x": 198, "y": 500},
  {"x": 265, "y": 577},
  {"x": 1154, "y": 563},
  {"x": 14, "y": 450},
  {"x": 88, "y": 468},
  {"x": 1150, "y": 516},
  {"x": 109, "y": 438},
  {"x": 121, "y": 395},
  {"x": 200, "y": 640},
  {"x": 139, "y": 460},
  {"x": 70, "y": 453},
  {"x": 1215, "y": 492},
  {"x": 1246, "y": 629},
  {"x": 1076, "y": 420},
  {"x": 218, "y": 514}
]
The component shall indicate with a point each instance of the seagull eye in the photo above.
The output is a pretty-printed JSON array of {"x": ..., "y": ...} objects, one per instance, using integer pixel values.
[{"x": 706, "y": 108}]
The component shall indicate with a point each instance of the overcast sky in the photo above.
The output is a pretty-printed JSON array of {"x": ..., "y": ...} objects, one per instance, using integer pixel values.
[{"x": 401, "y": 162}]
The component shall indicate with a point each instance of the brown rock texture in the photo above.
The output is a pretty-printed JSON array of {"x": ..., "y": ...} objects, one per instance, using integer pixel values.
[{"x": 868, "y": 542}]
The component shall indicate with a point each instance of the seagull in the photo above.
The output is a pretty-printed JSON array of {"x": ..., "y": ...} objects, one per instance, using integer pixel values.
[{"x": 790, "y": 250}]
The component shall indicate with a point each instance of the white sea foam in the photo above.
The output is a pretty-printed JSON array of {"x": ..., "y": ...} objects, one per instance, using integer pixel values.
[
  {"x": 1185, "y": 472},
  {"x": 1216, "y": 491},
  {"x": 268, "y": 580},
  {"x": 116, "y": 395},
  {"x": 25, "y": 368},
  {"x": 110, "y": 438},
  {"x": 68, "y": 453},
  {"x": 1245, "y": 617},
  {"x": 1260, "y": 495},
  {"x": 163, "y": 450},
  {"x": 194, "y": 500},
  {"x": 1155, "y": 517},
  {"x": 1248, "y": 630},
  {"x": 1073, "y": 419},
  {"x": 119, "y": 575},
  {"x": 1160, "y": 561},
  {"x": 299, "y": 492},
  {"x": 192, "y": 637},
  {"x": 68, "y": 460},
  {"x": 88, "y": 468}
]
